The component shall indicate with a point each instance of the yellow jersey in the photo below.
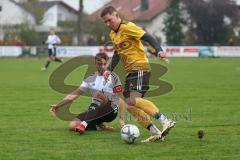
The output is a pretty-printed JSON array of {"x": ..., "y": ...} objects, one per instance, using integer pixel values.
[{"x": 128, "y": 45}]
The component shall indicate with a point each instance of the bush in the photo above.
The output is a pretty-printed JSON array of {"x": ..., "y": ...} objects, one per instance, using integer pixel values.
[{"x": 29, "y": 36}]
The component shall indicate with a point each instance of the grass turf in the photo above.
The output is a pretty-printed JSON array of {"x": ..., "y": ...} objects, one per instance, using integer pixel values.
[{"x": 205, "y": 96}]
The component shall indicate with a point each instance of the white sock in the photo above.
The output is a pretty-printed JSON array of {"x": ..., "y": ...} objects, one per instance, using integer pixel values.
[
  {"x": 154, "y": 130},
  {"x": 84, "y": 123},
  {"x": 161, "y": 117}
]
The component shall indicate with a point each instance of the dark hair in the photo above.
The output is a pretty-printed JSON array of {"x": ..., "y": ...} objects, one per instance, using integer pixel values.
[
  {"x": 101, "y": 56},
  {"x": 108, "y": 10}
]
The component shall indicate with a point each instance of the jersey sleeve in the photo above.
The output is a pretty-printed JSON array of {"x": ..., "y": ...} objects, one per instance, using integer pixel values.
[
  {"x": 58, "y": 39},
  {"x": 153, "y": 46},
  {"x": 117, "y": 85},
  {"x": 48, "y": 40},
  {"x": 84, "y": 86},
  {"x": 133, "y": 30}
]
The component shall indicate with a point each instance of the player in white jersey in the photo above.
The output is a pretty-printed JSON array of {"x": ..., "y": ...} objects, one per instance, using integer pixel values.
[
  {"x": 106, "y": 98},
  {"x": 52, "y": 41}
]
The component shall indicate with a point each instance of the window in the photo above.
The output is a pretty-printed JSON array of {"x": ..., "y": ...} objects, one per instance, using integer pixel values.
[
  {"x": 60, "y": 17},
  {"x": 144, "y": 5}
]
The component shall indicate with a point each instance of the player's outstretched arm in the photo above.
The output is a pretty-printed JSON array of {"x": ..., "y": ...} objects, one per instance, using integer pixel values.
[
  {"x": 115, "y": 60},
  {"x": 162, "y": 56},
  {"x": 117, "y": 89},
  {"x": 157, "y": 49},
  {"x": 58, "y": 40},
  {"x": 68, "y": 99},
  {"x": 121, "y": 110}
]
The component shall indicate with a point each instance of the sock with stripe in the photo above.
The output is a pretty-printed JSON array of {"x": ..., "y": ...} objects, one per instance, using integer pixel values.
[
  {"x": 160, "y": 117},
  {"x": 84, "y": 123},
  {"x": 153, "y": 129},
  {"x": 47, "y": 64}
]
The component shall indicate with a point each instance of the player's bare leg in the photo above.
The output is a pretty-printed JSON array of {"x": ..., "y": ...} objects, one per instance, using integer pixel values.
[{"x": 49, "y": 60}]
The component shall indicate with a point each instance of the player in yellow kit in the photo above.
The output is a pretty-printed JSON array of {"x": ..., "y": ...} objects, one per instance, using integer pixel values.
[{"x": 127, "y": 37}]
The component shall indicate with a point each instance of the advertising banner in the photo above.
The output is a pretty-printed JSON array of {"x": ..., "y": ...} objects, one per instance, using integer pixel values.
[
  {"x": 10, "y": 51},
  {"x": 172, "y": 51}
]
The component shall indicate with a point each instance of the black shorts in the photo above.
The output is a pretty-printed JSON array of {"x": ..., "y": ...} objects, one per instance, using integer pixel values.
[
  {"x": 52, "y": 52},
  {"x": 137, "y": 81},
  {"x": 96, "y": 115}
]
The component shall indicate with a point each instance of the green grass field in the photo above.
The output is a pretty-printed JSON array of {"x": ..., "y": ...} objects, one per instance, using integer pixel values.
[{"x": 206, "y": 96}]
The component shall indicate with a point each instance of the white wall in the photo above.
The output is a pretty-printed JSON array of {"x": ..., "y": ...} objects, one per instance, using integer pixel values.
[
  {"x": 66, "y": 15},
  {"x": 50, "y": 17},
  {"x": 13, "y": 14},
  {"x": 156, "y": 26},
  {"x": 237, "y": 1}
]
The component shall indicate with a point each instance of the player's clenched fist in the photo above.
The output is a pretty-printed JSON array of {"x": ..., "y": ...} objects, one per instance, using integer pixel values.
[
  {"x": 162, "y": 56},
  {"x": 106, "y": 74},
  {"x": 53, "y": 110}
]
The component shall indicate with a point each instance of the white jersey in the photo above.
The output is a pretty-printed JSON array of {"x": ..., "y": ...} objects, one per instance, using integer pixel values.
[
  {"x": 109, "y": 87},
  {"x": 52, "y": 40}
]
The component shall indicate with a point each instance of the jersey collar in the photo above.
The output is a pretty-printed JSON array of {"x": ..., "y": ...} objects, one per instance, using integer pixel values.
[{"x": 119, "y": 26}]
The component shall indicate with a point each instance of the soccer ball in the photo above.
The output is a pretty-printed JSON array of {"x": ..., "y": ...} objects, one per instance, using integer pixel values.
[{"x": 129, "y": 133}]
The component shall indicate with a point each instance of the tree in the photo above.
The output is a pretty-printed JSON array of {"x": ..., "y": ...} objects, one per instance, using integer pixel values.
[
  {"x": 99, "y": 30},
  {"x": 79, "y": 23},
  {"x": 33, "y": 7},
  {"x": 29, "y": 36},
  {"x": 208, "y": 19},
  {"x": 173, "y": 23}
]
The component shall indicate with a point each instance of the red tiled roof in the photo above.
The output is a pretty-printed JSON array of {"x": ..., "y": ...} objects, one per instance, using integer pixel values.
[{"x": 131, "y": 9}]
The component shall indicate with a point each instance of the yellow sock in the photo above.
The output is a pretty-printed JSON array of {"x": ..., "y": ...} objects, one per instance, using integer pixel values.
[
  {"x": 141, "y": 117},
  {"x": 147, "y": 106}
]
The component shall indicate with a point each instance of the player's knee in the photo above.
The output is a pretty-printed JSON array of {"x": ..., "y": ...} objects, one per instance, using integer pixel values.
[
  {"x": 50, "y": 58},
  {"x": 129, "y": 103},
  {"x": 133, "y": 97},
  {"x": 132, "y": 101}
]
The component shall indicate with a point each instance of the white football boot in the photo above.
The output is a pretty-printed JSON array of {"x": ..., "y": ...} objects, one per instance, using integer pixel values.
[
  {"x": 156, "y": 135},
  {"x": 168, "y": 124}
]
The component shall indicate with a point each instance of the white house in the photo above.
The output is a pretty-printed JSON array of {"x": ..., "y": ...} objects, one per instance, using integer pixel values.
[
  {"x": 11, "y": 13},
  {"x": 155, "y": 26},
  {"x": 57, "y": 11},
  {"x": 14, "y": 12}
]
